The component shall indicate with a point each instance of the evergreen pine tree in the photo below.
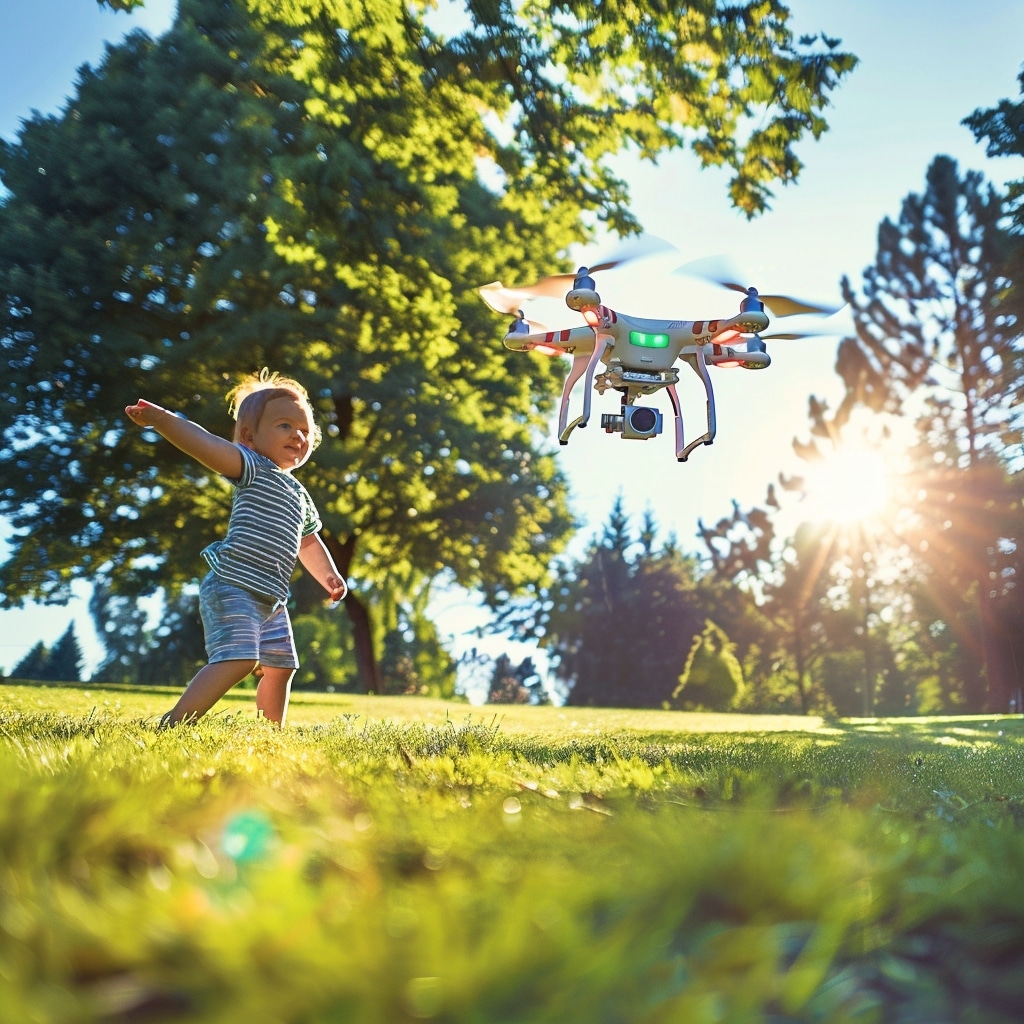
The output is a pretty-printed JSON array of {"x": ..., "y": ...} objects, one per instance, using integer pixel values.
[
  {"x": 516, "y": 684},
  {"x": 505, "y": 686},
  {"x": 65, "y": 661},
  {"x": 623, "y": 618},
  {"x": 33, "y": 665},
  {"x": 713, "y": 677}
]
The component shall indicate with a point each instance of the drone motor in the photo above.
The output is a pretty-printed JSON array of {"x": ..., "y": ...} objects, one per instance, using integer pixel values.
[{"x": 583, "y": 295}]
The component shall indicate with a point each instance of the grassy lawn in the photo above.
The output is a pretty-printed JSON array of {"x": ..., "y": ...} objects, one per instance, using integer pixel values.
[
  {"x": 317, "y": 708},
  {"x": 399, "y": 859}
]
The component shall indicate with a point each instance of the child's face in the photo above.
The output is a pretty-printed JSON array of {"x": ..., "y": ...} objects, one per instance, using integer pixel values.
[{"x": 284, "y": 433}]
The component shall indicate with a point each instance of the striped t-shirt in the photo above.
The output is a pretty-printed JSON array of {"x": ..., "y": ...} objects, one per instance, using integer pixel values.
[{"x": 270, "y": 515}]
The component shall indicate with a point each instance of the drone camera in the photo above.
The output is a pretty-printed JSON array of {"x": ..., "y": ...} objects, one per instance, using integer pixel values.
[
  {"x": 641, "y": 422},
  {"x": 635, "y": 422}
]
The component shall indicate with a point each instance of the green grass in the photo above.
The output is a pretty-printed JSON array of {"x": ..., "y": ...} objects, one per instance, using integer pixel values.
[{"x": 399, "y": 859}]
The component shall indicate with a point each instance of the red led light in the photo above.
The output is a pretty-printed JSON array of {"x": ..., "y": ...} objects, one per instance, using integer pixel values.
[{"x": 590, "y": 315}]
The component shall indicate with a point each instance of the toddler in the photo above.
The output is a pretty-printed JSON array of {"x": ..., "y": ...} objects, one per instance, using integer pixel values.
[{"x": 273, "y": 525}]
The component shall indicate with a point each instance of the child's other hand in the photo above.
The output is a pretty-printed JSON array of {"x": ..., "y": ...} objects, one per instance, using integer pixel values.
[{"x": 141, "y": 412}]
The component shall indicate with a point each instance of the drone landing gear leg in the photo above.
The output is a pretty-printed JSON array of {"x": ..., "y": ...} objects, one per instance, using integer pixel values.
[
  {"x": 700, "y": 367},
  {"x": 563, "y": 437},
  {"x": 678, "y": 411},
  {"x": 580, "y": 365},
  {"x": 578, "y": 368}
]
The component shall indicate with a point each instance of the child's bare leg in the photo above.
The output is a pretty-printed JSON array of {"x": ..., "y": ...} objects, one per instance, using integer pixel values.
[
  {"x": 207, "y": 687},
  {"x": 272, "y": 693}
]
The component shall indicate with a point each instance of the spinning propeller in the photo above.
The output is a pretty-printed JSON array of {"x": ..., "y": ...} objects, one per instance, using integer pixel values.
[
  {"x": 721, "y": 271},
  {"x": 509, "y": 300}
]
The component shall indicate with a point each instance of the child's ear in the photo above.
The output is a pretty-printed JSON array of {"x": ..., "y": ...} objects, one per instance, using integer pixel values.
[{"x": 245, "y": 435}]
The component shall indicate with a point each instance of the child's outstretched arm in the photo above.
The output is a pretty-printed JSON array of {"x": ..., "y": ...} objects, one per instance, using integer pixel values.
[
  {"x": 212, "y": 451},
  {"x": 317, "y": 561}
]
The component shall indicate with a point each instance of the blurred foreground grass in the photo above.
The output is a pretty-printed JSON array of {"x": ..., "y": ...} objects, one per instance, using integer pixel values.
[{"x": 388, "y": 860}]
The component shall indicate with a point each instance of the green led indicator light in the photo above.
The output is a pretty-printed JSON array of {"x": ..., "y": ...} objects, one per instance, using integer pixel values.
[{"x": 648, "y": 340}]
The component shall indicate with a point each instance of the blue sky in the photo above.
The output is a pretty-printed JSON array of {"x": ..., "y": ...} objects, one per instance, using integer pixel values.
[{"x": 925, "y": 65}]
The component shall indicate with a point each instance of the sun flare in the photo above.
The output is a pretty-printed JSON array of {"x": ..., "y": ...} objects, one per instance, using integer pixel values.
[{"x": 848, "y": 487}]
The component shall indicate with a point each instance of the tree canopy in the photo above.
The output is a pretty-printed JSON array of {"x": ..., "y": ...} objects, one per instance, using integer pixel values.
[{"x": 318, "y": 188}]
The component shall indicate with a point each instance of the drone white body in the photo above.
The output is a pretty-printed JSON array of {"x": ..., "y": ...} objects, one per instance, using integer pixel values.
[{"x": 639, "y": 354}]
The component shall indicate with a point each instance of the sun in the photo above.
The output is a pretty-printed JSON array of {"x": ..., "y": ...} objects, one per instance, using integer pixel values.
[{"x": 850, "y": 486}]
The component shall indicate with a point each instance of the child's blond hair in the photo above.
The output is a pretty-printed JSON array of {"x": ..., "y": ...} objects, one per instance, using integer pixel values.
[{"x": 248, "y": 400}]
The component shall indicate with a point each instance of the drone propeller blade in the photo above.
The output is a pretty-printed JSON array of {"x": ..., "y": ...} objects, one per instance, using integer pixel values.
[
  {"x": 793, "y": 335},
  {"x": 786, "y": 305},
  {"x": 553, "y": 287},
  {"x": 538, "y": 326},
  {"x": 716, "y": 269},
  {"x": 635, "y": 249},
  {"x": 508, "y": 300},
  {"x": 721, "y": 270},
  {"x": 502, "y": 299}
]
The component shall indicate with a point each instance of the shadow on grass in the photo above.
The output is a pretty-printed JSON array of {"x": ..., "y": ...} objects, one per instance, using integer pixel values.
[{"x": 940, "y": 729}]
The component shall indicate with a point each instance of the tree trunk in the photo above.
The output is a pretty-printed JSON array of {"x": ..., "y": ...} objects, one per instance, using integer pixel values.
[
  {"x": 993, "y": 647},
  {"x": 358, "y": 614},
  {"x": 366, "y": 659},
  {"x": 800, "y": 662}
]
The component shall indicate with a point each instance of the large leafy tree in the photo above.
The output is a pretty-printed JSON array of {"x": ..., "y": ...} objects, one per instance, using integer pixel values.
[
  {"x": 579, "y": 80},
  {"x": 935, "y": 341},
  {"x": 187, "y": 218},
  {"x": 302, "y": 185}
]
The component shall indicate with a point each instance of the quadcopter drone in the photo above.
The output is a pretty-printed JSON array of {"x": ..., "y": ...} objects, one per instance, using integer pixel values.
[{"x": 639, "y": 354}]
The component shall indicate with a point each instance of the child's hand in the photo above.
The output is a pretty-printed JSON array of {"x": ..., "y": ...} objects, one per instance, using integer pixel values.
[
  {"x": 336, "y": 588},
  {"x": 141, "y": 412}
]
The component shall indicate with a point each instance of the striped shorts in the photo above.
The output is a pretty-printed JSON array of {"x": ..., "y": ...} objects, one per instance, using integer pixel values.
[{"x": 241, "y": 626}]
